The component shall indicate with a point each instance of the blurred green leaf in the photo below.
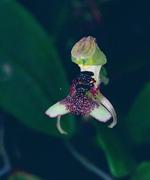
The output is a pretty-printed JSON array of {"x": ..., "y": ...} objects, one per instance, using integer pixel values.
[
  {"x": 104, "y": 76},
  {"x": 142, "y": 172},
  {"x": 117, "y": 154},
  {"x": 138, "y": 120},
  {"x": 23, "y": 176},
  {"x": 32, "y": 73}
]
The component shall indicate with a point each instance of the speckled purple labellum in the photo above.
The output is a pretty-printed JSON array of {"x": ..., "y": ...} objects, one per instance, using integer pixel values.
[{"x": 79, "y": 104}]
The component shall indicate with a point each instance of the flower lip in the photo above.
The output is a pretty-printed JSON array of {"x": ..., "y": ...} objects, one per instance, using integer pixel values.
[
  {"x": 79, "y": 104},
  {"x": 84, "y": 99}
]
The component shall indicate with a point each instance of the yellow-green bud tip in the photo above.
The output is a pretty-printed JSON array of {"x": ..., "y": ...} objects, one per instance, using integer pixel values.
[
  {"x": 84, "y": 48},
  {"x": 86, "y": 52}
]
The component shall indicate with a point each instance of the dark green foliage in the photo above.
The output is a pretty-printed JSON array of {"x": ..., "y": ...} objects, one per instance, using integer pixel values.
[
  {"x": 139, "y": 117},
  {"x": 36, "y": 74},
  {"x": 120, "y": 161},
  {"x": 142, "y": 172}
]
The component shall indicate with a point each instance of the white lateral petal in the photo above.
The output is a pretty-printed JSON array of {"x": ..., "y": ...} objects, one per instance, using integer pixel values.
[
  {"x": 101, "y": 114},
  {"x": 106, "y": 103},
  {"x": 57, "y": 110},
  {"x": 59, "y": 126}
]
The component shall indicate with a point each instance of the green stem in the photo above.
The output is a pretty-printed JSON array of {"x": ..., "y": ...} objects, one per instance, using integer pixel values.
[{"x": 86, "y": 163}]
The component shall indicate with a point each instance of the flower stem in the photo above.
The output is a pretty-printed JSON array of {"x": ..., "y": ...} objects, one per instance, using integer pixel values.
[{"x": 86, "y": 163}]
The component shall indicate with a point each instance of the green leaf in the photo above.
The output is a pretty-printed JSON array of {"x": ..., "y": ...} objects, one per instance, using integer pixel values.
[
  {"x": 104, "y": 76},
  {"x": 25, "y": 40},
  {"x": 31, "y": 71},
  {"x": 117, "y": 154},
  {"x": 142, "y": 172},
  {"x": 138, "y": 121}
]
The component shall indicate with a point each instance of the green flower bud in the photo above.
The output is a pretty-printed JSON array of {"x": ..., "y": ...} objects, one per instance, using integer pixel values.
[{"x": 87, "y": 52}]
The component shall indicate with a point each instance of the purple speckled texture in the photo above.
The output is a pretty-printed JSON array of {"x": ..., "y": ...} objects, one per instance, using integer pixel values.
[{"x": 79, "y": 104}]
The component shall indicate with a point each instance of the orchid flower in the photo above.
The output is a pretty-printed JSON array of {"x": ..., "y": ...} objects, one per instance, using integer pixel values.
[{"x": 85, "y": 97}]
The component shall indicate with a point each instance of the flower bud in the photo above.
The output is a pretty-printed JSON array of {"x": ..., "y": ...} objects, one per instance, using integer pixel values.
[{"x": 87, "y": 52}]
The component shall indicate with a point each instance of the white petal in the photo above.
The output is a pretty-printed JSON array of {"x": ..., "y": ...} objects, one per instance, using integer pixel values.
[
  {"x": 101, "y": 114},
  {"x": 59, "y": 126},
  {"x": 57, "y": 110},
  {"x": 106, "y": 103}
]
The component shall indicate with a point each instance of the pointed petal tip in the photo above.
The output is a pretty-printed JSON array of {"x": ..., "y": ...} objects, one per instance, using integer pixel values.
[
  {"x": 113, "y": 124},
  {"x": 47, "y": 113}
]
